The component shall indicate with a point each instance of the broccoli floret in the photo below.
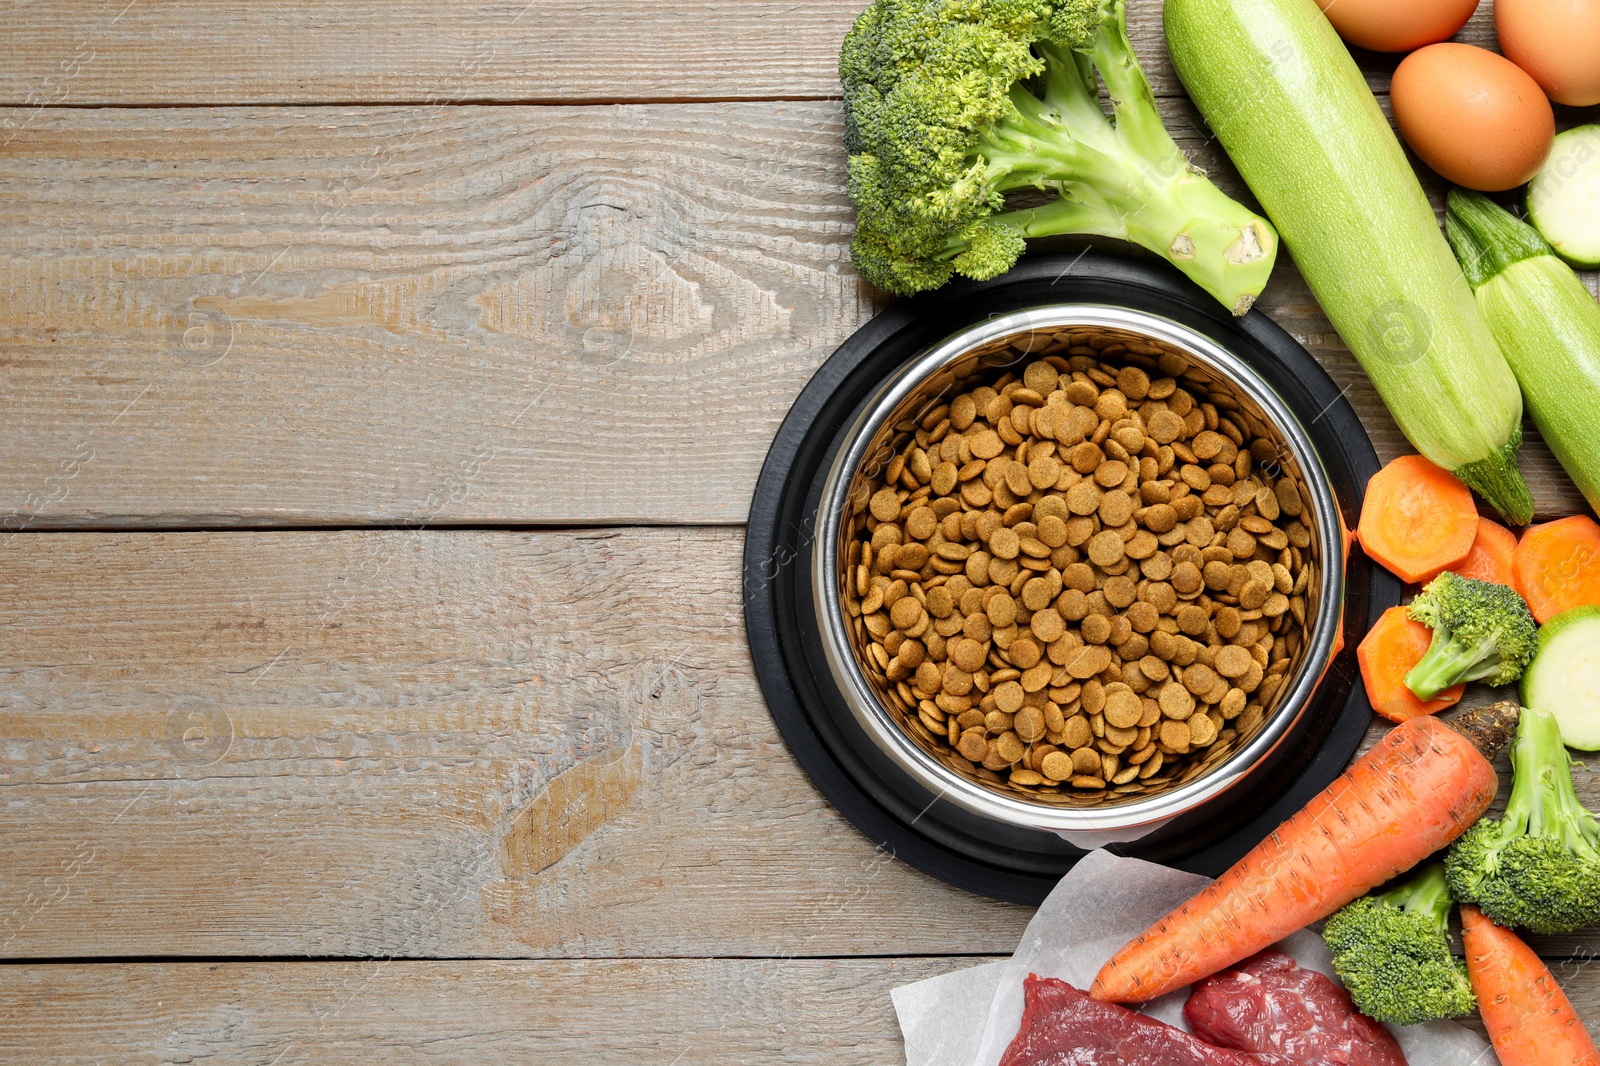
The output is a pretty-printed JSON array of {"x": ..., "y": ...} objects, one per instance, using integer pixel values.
[
  {"x": 1481, "y": 632},
  {"x": 1538, "y": 867},
  {"x": 952, "y": 104},
  {"x": 1392, "y": 951}
]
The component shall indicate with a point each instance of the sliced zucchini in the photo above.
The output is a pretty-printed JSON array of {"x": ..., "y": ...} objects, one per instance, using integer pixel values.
[
  {"x": 1564, "y": 197},
  {"x": 1564, "y": 677}
]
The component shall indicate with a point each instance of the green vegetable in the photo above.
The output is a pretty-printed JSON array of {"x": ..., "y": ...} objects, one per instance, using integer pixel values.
[
  {"x": 1295, "y": 114},
  {"x": 1565, "y": 676},
  {"x": 1562, "y": 197},
  {"x": 1539, "y": 866},
  {"x": 1392, "y": 951},
  {"x": 952, "y": 104},
  {"x": 1481, "y": 632},
  {"x": 1547, "y": 323}
]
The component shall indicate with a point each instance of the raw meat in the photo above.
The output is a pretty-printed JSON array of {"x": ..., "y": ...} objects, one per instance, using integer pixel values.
[
  {"x": 1062, "y": 1026},
  {"x": 1269, "y": 1004}
]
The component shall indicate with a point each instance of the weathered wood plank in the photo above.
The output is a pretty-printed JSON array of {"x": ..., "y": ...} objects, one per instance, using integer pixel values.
[
  {"x": 433, "y": 743},
  {"x": 99, "y": 52},
  {"x": 281, "y": 317},
  {"x": 439, "y": 743},
  {"x": 656, "y": 1012}
]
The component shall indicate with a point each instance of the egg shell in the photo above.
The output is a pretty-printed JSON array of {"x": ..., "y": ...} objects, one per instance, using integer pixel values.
[
  {"x": 1475, "y": 117},
  {"x": 1555, "y": 41},
  {"x": 1397, "y": 25}
]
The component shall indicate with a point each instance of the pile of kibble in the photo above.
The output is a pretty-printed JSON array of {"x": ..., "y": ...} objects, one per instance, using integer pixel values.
[{"x": 1088, "y": 577}]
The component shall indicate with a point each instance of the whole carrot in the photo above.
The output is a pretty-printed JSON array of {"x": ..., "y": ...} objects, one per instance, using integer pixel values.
[
  {"x": 1422, "y": 786},
  {"x": 1530, "y": 1020}
]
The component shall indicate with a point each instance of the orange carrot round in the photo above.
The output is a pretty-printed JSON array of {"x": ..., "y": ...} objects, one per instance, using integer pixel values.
[
  {"x": 1421, "y": 787},
  {"x": 1417, "y": 519},
  {"x": 1530, "y": 1020},
  {"x": 1390, "y": 649},
  {"x": 1491, "y": 556},
  {"x": 1557, "y": 566}
]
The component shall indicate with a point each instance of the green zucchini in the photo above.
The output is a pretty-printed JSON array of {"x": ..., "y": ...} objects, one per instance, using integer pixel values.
[
  {"x": 1547, "y": 323},
  {"x": 1564, "y": 678},
  {"x": 1564, "y": 197},
  {"x": 1288, "y": 103}
]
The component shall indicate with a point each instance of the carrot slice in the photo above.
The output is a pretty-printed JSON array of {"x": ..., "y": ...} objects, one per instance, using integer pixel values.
[
  {"x": 1529, "y": 1018},
  {"x": 1417, "y": 519},
  {"x": 1557, "y": 566},
  {"x": 1491, "y": 556},
  {"x": 1388, "y": 653}
]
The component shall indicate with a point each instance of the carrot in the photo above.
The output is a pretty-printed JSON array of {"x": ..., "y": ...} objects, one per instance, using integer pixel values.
[
  {"x": 1530, "y": 1020},
  {"x": 1389, "y": 651},
  {"x": 1417, "y": 519},
  {"x": 1421, "y": 787},
  {"x": 1557, "y": 566},
  {"x": 1490, "y": 558}
]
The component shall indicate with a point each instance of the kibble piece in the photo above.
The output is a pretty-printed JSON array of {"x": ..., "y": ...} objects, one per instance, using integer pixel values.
[
  {"x": 907, "y": 614},
  {"x": 1232, "y": 661},
  {"x": 967, "y": 654},
  {"x": 1048, "y": 625},
  {"x": 1096, "y": 629},
  {"x": 1057, "y": 766},
  {"x": 986, "y": 444},
  {"x": 1105, "y": 549},
  {"x": 1254, "y": 594},
  {"x": 1175, "y": 734},
  {"x": 1008, "y": 746},
  {"x": 1024, "y": 653},
  {"x": 1123, "y": 709},
  {"x": 1002, "y": 610},
  {"x": 1193, "y": 620},
  {"x": 1116, "y": 508},
  {"x": 1176, "y": 702},
  {"x": 885, "y": 505},
  {"x": 1199, "y": 679},
  {"x": 973, "y": 746},
  {"x": 1202, "y": 730},
  {"x": 1089, "y": 661},
  {"x": 1029, "y": 724},
  {"x": 1186, "y": 579},
  {"x": 1165, "y": 426}
]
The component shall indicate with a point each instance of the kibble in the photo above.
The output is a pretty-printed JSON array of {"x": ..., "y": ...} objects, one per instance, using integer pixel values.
[{"x": 1075, "y": 577}]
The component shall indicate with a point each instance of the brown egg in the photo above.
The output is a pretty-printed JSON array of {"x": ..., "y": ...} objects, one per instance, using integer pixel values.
[
  {"x": 1473, "y": 116},
  {"x": 1557, "y": 42},
  {"x": 1397, "y": 25}
]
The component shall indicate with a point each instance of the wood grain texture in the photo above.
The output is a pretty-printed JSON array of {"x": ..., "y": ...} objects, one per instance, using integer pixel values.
[
  {"x": 658, "y": 1012},
  {"x": 655, "y": 1013},
  {"x": 495, "y": 315},
  {"x": 418, "y": 744},
  {"x": 99, "y": 52},
  {"x": 422, "y": 744}
]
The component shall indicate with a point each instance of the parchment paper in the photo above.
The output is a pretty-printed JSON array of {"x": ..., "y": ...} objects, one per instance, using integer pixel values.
[{"x": 969, "y": 1017}]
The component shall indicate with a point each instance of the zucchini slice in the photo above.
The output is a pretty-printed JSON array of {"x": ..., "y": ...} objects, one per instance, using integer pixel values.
[
  {"x": 1564, "y": 197},
  {"x": 1564, "y": 677}
]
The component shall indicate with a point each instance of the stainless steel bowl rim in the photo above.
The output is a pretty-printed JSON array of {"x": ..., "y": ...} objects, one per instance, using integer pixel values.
[{"x": 946, "y": 783}]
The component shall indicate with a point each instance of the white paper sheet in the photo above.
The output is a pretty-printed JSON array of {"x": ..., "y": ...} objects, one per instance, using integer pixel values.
[{"x": 969, "y": 1017}]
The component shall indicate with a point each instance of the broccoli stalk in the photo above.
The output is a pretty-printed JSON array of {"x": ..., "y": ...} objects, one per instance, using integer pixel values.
[
  {"x": 1481, "y": 632},
  {"x": 1392, "y": 951},
  {"x": 1538, "y": 867},
  {"x": 951, "y": 105}
]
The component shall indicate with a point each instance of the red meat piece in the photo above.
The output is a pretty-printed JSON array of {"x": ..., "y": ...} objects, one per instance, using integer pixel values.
[
  {"x": 1270, "y": 1005},
  {"x": 1062, "y": 1026}
]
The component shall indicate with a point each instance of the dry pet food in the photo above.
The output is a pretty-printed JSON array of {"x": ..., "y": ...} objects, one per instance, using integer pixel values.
[{"x": 1084, "y": 574}]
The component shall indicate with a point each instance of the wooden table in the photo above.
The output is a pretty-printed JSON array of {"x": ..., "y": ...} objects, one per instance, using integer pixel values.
[{"x": 384, "y": 386}]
